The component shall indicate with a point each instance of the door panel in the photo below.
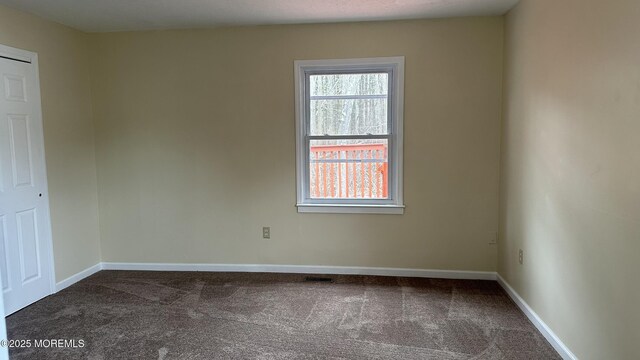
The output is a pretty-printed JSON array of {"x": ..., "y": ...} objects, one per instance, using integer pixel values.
[
  {"x": 20, "y": 150},
  {"x": 25, "y": 236},
  {"x": 28, "y": 245},
  {"x": 15, "y": 87}
]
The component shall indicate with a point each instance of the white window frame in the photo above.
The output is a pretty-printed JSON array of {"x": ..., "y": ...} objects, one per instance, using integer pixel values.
[{"x": 394, "y": 66}]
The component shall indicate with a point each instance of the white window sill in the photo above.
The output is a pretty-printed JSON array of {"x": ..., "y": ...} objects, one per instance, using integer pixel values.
[{"x": 351, "y": 209}]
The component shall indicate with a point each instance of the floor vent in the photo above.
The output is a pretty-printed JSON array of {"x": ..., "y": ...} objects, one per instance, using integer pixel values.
[{"x": 318, "y": 279}]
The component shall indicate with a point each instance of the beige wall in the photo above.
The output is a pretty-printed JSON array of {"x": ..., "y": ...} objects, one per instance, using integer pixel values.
[
  {"x": 571, "y": 170},
  {"x": 196, "y": 146},
  {"x": 68, "y": 131}
]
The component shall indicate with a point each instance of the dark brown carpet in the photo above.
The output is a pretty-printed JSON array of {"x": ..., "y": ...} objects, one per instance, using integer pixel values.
[{"x": 173, "y": 315}]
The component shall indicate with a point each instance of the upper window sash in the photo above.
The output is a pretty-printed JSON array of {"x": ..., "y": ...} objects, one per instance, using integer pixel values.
[{"x": 385, "y": 96}]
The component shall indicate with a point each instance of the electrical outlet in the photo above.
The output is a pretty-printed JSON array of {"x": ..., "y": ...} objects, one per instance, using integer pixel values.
[
  {"x": 266, "y": 232},
  {"x": 521, "y": 257},
  {"x": 493, "y": 238}
]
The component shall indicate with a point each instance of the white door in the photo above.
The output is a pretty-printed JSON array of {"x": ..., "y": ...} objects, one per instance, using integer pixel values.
[{"x": 25, "y": 236}]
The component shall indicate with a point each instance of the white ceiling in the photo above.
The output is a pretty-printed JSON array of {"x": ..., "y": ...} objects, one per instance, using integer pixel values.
[{"x": 121, "y": 15}]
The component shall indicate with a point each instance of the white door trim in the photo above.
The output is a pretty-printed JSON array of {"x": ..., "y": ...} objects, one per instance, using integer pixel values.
[
  {"x": 32, "y": 58},
  {"x": 4, "y": 350},
  {"x": 18, "y": 54}
]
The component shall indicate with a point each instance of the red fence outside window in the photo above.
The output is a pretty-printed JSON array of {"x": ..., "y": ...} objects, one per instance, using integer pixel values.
[{"x": 349, "y": 171}]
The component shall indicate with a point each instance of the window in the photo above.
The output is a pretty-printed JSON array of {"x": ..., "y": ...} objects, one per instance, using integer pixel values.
[{"x": 349, "y": 135}]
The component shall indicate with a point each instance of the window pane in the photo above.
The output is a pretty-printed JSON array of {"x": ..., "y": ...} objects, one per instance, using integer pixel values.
[
  {"x": 349, "y": 84},
  {"x": 349, "y": 117},
  {"x": 349, "y": 169}
]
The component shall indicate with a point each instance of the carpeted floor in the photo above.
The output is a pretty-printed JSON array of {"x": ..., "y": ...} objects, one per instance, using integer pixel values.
[{"x": 189, "y": 315}]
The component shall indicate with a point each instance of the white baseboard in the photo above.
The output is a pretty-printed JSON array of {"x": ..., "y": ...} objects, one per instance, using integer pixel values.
[
  {"x": 292, "y": 269},
  {"x": 304, "y": 269},
  {"x": 551, "y": 337},
  {"x": 79, "y": 276}
]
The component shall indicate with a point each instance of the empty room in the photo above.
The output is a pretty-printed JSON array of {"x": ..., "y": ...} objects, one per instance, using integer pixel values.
[{"x": 320, "y": 179}]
